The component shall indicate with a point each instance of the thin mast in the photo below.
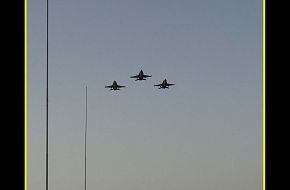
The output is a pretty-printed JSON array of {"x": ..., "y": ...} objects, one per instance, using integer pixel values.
[
  {"x": 46, "y": 95},
  {"x": 86, "y": 139}
]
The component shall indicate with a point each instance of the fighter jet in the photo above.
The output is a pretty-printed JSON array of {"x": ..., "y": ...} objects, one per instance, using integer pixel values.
[
  {"x": 140, "y": 76},
  {"x": 114, "y": 86},
  {"x": 164, "y": 84}
]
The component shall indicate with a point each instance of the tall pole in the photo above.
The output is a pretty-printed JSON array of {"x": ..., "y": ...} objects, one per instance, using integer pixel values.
[
  {"x": 86, "y": 139},
  {"x": 46, "y": 185}
]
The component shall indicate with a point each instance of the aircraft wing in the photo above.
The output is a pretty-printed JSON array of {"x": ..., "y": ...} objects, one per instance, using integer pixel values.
[
  {"x": 147, "y": 76},
  {"x": 111, "y": 86},
  {"x": 136, "y": 76},
  {"x": 120, "y": 86},
  {"x": 157, "y": 84},
  {"x": 169, "y": 84}
]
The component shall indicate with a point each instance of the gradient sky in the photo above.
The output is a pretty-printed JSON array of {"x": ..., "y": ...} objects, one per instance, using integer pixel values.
[{"x": 204, "y": 133}]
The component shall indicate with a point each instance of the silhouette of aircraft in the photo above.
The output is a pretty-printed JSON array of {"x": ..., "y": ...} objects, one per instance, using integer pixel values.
[
  {"x": 164, "y": 84},
  {"x": 114, "y": 86},
  {"x": 140, "y": 76}
]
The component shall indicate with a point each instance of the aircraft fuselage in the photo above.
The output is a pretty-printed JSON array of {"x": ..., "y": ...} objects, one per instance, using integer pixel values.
[{"x": 114, "y": 86}]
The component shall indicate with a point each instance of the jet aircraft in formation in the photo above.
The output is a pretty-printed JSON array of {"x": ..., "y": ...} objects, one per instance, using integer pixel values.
[
  {"x": 114, "y": 86},
  {"x": 163, "y": 85},
  {"x": 140, "y": 76}
]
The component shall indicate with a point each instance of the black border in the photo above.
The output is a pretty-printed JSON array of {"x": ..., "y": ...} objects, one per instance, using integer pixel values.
[
  {"x": 272, "y": 109},
  {"x": 13, "y": 91}
]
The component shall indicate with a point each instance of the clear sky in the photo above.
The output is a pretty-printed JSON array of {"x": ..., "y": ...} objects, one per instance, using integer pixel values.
[{"x": 204, "y": 133}]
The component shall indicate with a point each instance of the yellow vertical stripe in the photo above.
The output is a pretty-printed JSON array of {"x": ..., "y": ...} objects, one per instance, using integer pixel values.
[
  {"x": 264, "y": 94},
  {"x": 25, "y": 94}
]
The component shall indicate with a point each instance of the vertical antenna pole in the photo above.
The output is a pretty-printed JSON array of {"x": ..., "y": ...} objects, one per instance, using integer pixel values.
[
  {"x": 46, "y": 95},
  {"x": 86, "y": 140}
]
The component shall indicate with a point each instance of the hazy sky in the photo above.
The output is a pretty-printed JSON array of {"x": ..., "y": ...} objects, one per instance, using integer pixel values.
[{"x": 204, "y": 133}]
